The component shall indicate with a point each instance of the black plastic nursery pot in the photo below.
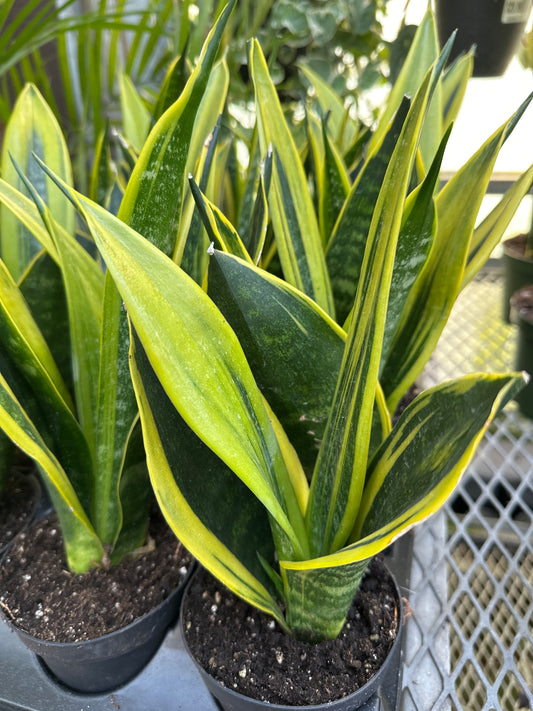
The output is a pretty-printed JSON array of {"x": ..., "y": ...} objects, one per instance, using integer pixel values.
[
  {"x": 522, "y": 313},
  {"x": 495, "y": 27},
  {"x": 100, "y": 661},
  {"x": 106, "y": 663},
  {"x": 383, "y": 685},
  {"x": 517, "y": 269}
]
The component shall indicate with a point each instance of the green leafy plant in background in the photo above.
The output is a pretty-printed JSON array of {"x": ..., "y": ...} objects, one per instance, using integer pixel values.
[
  {"x": 243, "y": 389},
  {"x": 342, "y": 42},
  {"x": 66, "y": 397}
]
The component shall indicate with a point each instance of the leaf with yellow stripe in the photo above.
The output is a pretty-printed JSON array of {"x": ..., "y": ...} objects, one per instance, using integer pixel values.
[
  {"x": 219, "y": 229},
  {"x": 84, "y": 292},
  {"x": 489, "y": 232},
  {"x": 153, "y": 199},
  {"x": 434, "y": 293},
  {"x": 32, "y": 128},
  {"x": 423, "y": 52},
  {"x": 411, "y": 476},
  {"x": 83, "y": 548},
  {"x": 207, "y": 379},
  {"x": 221, "y": 523},
  {"x": 346, "y": 245},
  {"x": 291, "y": 207},
  {"x": 37, "y": 414},
  {"x": 339, "y": 473}
]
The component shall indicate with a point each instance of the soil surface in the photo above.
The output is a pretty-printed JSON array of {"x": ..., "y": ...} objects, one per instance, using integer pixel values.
[
  {"x": 245, "y": 649},
  {"x": 17, "y": 505},
  {"x": 413, "y": 392},
  {"x": 42, "y": 598}
]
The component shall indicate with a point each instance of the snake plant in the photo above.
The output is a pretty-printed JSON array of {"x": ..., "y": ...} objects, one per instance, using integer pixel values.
[
  {"x": 224, "y": 431},
  {"x": 267, "y": 433},
  {"x": 66, "y": 397}
]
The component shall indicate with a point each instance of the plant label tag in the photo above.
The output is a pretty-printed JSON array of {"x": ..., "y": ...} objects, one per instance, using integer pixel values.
[{"x": 515, "y": 11}]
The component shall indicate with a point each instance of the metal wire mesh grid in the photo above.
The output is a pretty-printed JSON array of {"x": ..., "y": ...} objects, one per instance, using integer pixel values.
[{"x": 469, "y": 642}]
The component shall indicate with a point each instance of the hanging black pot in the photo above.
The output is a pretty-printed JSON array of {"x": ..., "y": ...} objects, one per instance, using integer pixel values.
[
  {"x": 494, "y": 26},
  {"x": 384, "y": 683},
  {"x": 522, "y": 315},
  {"x": 517, "y": 269}
]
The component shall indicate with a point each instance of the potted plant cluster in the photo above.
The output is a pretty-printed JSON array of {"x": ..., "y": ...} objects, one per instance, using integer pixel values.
[
  {"x": 264, "y": 375},
  {"x": 287, "y": 534}
]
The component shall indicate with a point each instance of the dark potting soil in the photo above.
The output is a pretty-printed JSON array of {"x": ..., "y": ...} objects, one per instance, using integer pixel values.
[
  {"x": 413, "y": 392},
  {"x": 17, "y": 504},
  {"x": 42, "y": 598},
  {"x": 245, "y": 649}
]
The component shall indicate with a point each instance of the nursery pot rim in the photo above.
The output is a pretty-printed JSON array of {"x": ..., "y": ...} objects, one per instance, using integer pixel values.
[
  {"x": 346, "y": 703},
  {"x": 107, "y": 635}
]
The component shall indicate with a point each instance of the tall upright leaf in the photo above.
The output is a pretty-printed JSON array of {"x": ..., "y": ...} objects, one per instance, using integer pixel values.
[
  {"x": 153, "y": 198},
  {"x": 435, "y": 291},
  {"x": 489, "y": 232},
  {"x": 32, "y": 128},
  {"x": 415, "y": 241},
  {"x": 339, "y": 474},
  {"x": 422, "y": 54},
  {"x": 291, "y": 207},
  {"x": 346, "y": 247},
  {"x": 135, "y": 116},
  {"x": 152, "y": 206}
]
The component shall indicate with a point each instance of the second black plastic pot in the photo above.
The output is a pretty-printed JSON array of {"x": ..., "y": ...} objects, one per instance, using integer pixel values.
[
  {"x": 517, "y": 269},
  {"x": 522, "y": 314},
  {"x": 109, "y": 661},
  {"x": 383, "y": 684},
  {"x": 495, "y": 27}
]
